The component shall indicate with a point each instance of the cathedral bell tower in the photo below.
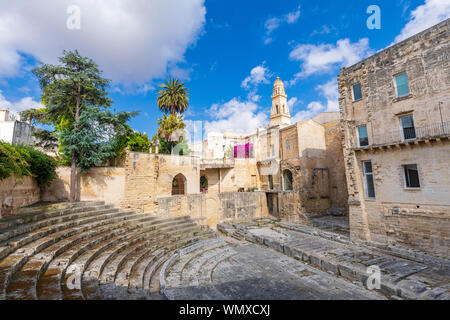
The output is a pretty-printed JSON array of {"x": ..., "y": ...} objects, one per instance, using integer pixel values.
[{"x": 279, "y": 114}]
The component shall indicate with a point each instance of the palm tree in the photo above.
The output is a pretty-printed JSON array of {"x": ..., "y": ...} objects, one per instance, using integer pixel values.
[{"x": 173, "y": 97}]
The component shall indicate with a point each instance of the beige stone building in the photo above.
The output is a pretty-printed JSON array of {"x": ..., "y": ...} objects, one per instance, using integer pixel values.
[
  {"x": 395, "y": 120},
  {"x": 282, "y": 170},
  {"x": 300, "y": 167}
]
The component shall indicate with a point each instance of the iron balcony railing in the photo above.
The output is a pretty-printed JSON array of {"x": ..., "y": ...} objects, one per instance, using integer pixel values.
[{"x": 405, "y": 134}]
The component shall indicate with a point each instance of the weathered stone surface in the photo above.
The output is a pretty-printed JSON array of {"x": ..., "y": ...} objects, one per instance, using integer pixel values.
[
  {"x": 417, "y": 218},
  {"x": 399, "y": 277}
]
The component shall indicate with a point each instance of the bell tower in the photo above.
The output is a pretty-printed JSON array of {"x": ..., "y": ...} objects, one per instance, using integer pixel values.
[{"x": 279, "y": 114}]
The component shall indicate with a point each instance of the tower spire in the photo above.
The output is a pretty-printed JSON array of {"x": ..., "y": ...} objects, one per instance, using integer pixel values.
[{"x": 279, "y": 114}]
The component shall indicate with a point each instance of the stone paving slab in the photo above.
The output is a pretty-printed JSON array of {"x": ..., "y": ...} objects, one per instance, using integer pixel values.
[
  {"x": 245, "y": 271},
  {"x": 399, "y": 277}
]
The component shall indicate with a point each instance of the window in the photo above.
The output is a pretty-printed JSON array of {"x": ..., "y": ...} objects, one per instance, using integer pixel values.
[
  {"x": 203, "y": 184},
  {"x": 368, "y": 179},
  {"x": 272, "y": 150},
  {"x": 357, "y": 93},
  {"x": 401, "y": 83},
  {"x": 362, "y": 136},
  {"x": 411, "y": 176},
  {"x": 288, "y": 144},
  {"x": 408, "y": 130},
  {"x": 270, "y": 182},
  {"x": 287, "y": 178}
]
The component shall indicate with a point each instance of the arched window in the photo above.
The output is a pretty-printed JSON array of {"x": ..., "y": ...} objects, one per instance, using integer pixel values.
[
  {"x": 287, "y": 180},
  {"x": 278, "y": 110},
  {"x": 203, "y": 184},
  {"x": 179, "y": 184}
]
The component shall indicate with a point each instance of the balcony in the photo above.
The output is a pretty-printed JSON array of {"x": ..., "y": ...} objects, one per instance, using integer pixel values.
[
  {"x": 405, "y": 136},
  {"x": 216, "y": 163}
]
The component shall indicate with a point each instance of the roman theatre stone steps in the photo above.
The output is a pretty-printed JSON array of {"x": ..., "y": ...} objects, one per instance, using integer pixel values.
[{"x": 90, "y": 250}]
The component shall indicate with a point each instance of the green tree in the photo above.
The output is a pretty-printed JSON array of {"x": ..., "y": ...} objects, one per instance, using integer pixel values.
[
  {"x": 171, "y": 129},
  {"x": 76, "y": 103},
  {"x": 135, "y": 141},
  {"x": 173, "y": 97},
  {"x": 138, "y": 142}
]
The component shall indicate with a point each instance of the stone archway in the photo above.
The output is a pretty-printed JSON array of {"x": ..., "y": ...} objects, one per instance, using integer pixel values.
[{"x": 179, "y": 184}]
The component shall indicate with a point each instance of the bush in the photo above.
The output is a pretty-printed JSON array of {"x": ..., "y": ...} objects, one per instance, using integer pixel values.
[
  {"x": 12, "y": 162},
  {"x": 21, "y": 160}
]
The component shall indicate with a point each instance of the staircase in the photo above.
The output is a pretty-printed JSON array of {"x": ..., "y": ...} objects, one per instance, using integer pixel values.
[{"x": 89, "y": 250}]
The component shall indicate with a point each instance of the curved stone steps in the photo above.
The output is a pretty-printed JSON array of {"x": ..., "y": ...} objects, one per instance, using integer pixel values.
[
  {"x": 152, "y": 274},
  {"x": 136, "y": 282},
  {"x": 14, "y": 262},
  {"x": 57, "y": 218},
  {"x": 84, "y": 262},
  {"x": 23, "y": 283},
  {"x": 89, "y": 281},
  {"x": 90, "y": 251},
  {"x": 108, "y": 284},
  {"x": 49, "y": 285},
  {"x": 28, "y": 215},
  {"x": 109, "y": 287},
  {"x": 186, "y": 257},
  {"x": 205, "y": 275},
  {"x": 11, "y": 244},
  {"x": 191, "y": 252},
  {"x": 23, "y": 239},
  {"x": 194, "y": 281}
]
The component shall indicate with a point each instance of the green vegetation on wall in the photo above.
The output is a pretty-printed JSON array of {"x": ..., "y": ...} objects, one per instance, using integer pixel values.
[{"x": 21, "y": 160}]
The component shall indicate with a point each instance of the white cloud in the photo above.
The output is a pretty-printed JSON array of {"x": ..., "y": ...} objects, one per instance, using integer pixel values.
[
  {"x": 19, "y": 106},
  {"x": 235, "y": 116},
  {"x": 292, "y": 17},
  {"x": 323, "y": 30},
  {"x": 274, "y": 23},
  {"x": 132, "y": 41},
  {"x": 330, "y": 91},
  {"x": 311, "y": 110},
  {"x": 258, "y": 75},
  {"x": 424, "y": 17},
  {"x": 323, "y": 58},
  {"x": 327, "y": 90},
  {"x": 292, "y": 102}
]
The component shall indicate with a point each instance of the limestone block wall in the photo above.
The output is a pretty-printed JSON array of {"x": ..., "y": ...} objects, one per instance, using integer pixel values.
[
  {"x": 415, "y": 218},
  {"x": 336, "y": 167},
  {"x": 210, "y": 209},
  {"x": 150, "y": 175},
  {"x": 16, "y": 193},
  {"x": 100, "y": 184}
]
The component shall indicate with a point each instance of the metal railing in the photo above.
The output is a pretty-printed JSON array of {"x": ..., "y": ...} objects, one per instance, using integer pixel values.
[{"x": 405, "y": 134}]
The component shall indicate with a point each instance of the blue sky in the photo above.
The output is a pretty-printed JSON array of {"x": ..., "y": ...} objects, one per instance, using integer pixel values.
[{"x": 229, "y": 53}]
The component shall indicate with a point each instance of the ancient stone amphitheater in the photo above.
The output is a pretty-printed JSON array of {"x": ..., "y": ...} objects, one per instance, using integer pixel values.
[{"x": 91, "y": 250}]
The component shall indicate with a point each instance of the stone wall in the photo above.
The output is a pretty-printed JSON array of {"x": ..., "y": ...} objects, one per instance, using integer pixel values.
[
  {"x": 210, "y": 209},
  {"x": 336, "y": 167},
  {"x": 419, "y": 217},
  {"x": 16, "y": 193},
  {"x": 100, "y": 184}
]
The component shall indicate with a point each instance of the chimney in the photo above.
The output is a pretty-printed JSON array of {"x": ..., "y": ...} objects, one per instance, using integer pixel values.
[{"x": 4, "y": 115}]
